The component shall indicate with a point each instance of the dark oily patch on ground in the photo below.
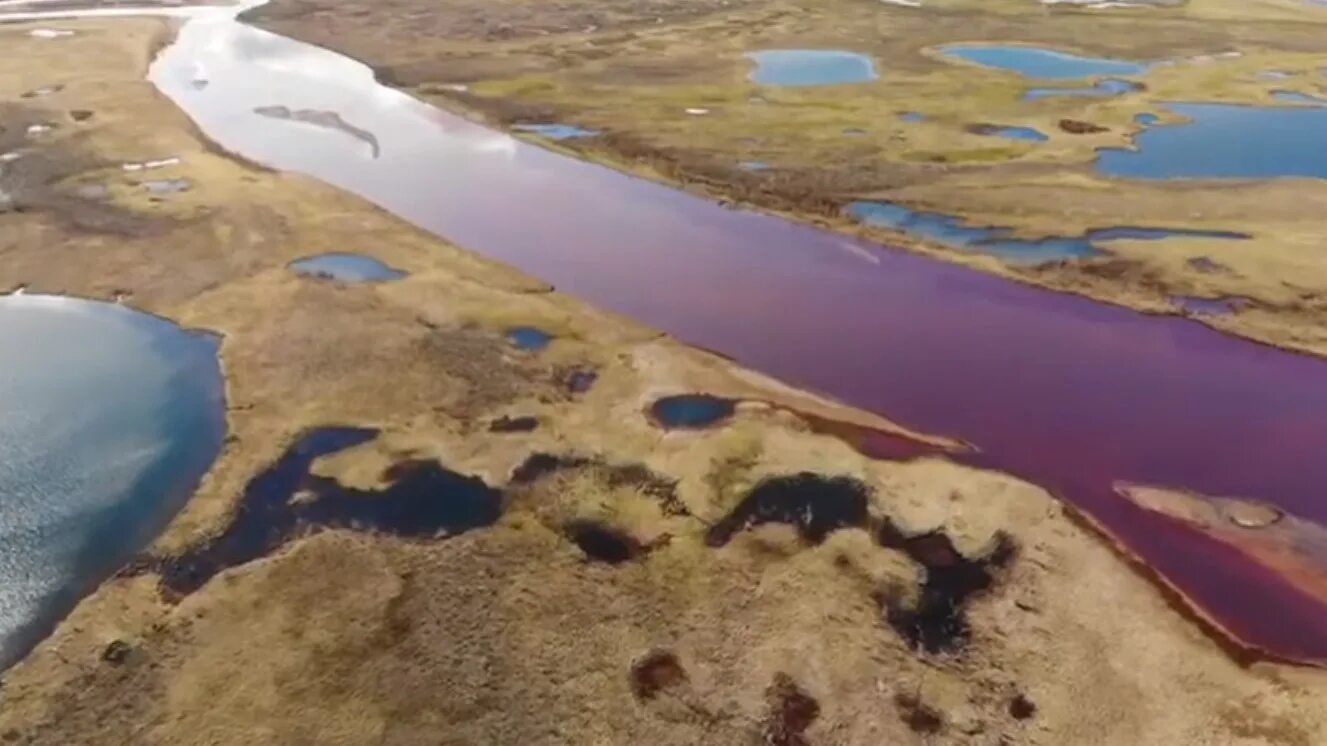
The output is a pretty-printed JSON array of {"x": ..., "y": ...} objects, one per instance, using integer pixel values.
[
  {"x": 691, "y": 411},
  {"x": 812, "y": 503},
  {"x": 657, "y": 671},
  {"x": 791, "y": 712},
  {"x": 423, "y": 500},
  {"x": 917, "y": 715},
  {"x": 505, "y": 424},
  {"x": 603, "y": 543},
  {"x": 542, "y": 466},
  {"x": 937, "y": 621}
]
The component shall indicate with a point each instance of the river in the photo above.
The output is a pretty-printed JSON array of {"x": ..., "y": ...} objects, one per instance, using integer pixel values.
[{"x": 1071, "y": 394}]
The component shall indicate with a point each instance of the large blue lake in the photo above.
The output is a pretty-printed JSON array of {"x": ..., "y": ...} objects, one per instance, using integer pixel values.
[
  {"x": 1227, "y": 141},
  {"x": 111, "y": 417}
]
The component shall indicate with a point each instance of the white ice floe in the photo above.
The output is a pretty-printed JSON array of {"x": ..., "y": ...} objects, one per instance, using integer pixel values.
[
  {"x": 49, "y": 33},
  {"x": 698, "y": 112}
]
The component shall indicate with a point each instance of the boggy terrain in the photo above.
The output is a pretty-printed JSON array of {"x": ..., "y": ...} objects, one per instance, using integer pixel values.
[
  {"x": 428, "y": 526},
  {"x": 666, "y": 89}
]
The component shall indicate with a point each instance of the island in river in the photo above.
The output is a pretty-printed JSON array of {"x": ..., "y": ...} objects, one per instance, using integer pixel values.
[{"x": 589, "y": 576}]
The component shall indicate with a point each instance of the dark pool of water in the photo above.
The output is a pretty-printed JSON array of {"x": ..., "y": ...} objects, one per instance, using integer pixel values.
[
  {"x": 556, "y": 131},
  {"x": 1039, "y": 62},
  {"x": 814, "y": 504},
  {"x": 1226, "y": 141},
  {"x": 808, "y": 67},
  {"x": 346, "y": 267},
  {"x": 936, "y": 620},
  {"x": 529, "y": 338},
  {"x": 1054, "y": 388},
  {"x": 954, "y": 232},
  {"x": 1101, "y": 89},
  {"x": 423, "y": 500},
  {"x": 111, "y": 417},
  {"x": 603, "y": 543},
  {"x": 691, "y": 411}
]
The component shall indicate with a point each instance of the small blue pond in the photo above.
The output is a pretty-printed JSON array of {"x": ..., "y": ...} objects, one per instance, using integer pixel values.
[
  {"x": 1038, "y": 62},
  {"x": 111, "y": 417},
  {"x": 753, "y": 165},
  {"x": 952, "y": 231},
  {"x": 528, "y": 337},
  {"x": 1011, "y": 133},
  {"x": 806, "y": 67},
  {"x": 1104, "y": 88},
  {"x": 1226, "y": 141},
  {"x": 346, "y": 268},
  {"x": 912, "y": 116},
  {"x": 556, "y": 131},
  {"x": 692, "y": 411},
  {"x": 1146, "y": 119}
]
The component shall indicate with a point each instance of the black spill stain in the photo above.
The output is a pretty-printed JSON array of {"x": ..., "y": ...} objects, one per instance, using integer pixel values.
[
  {"x": 937, "y": 622},
  {"x": 1079, "y": 127},
  {"x": 791, "y": 712},
  {"x": 603, "y": 543},
  {"x": 654, "y": 673},
  {"x": 919, "y": 716},
  {"x": 691, "y": 411},
  {"x": 81, "y": 115},
  {"x": 581, "y": 381},
  {"x": 815, "y": 504},
  {"x": 1206, "y": 264},
  {"x": 613, "y": 476},
  {"x": 1022, "y": 708},
  {"x": 423, "y": 500},
  {"x": 506, "y": 424}
]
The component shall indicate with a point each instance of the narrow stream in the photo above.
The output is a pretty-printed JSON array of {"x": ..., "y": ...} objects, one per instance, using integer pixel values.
[{"x": 1066, "y": 392}]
